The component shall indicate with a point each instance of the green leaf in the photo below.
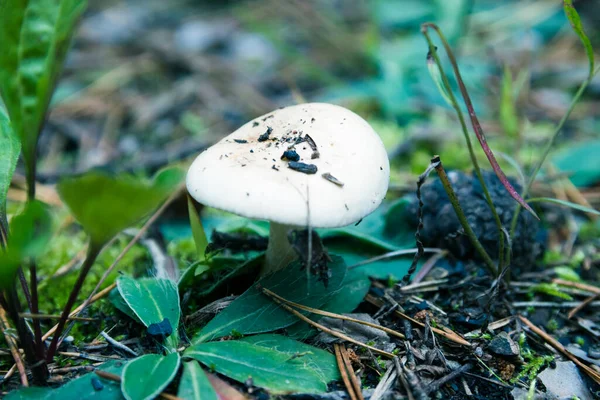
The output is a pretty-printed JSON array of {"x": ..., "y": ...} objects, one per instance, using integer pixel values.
[
  {"x": 321, "y": 362},
  {"x": 573, "y": 17},
  {"x": 117, "y": 301},
  {"x": 30, "y": 233},
  {"x": 564, "y": 203},
  {"x": 550, "y": 289},
  {"x": 194, "y": 384},
  {"x": 152, "y": 300},
  {"x": 353, "y": 291},
  {"x": 436, "y": 76},
  {"x": 581, "y": 161},
  {"x": 10, "y": 148},
  {"x": 254, "y": 312},
  {"x": 567, "y": 273},
  {"x": 78, "y": 388},
  {"x": 104, "y": 205},
  {"x": 275, "y": 371},
  {"x": 197, "y": 230},
  {"x": 35, "y": 37},
  {"x": 147, "y": 376},
  {"x": 508, "y": 112}
]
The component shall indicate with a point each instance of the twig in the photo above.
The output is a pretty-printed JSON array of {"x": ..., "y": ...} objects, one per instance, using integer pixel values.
[
  {"x": 578, "y": 285},
  {"x": 396, "y": 253},
  {"x": 420, "y": 248},
  {"x": 332, "y": 315},
  {"x": 446, "y": 333},
  {"x": 582, "y": 305},
  {"x": 554, "y": 343},
  {"x": 47, "y": 316},
  {"x": 344, "y": 372},
  {"x": 348, "y": 365},
  {"x": 117, "y": 378},
  {"x": 117, "y": 344},
  {"x": 76, "y": 311},
  {"x": 435, "y": 385},
  {"x": 327, "y": 330},
  {"x": 14, "y": 350},
  {"x": 428, "y": 265},
  {"x": 550, "y": 304}
]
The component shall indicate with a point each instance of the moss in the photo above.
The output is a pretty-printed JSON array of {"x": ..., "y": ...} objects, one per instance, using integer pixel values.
[
  {"x": 552, "y": 325},
  {"x": 533, "y": 363},
  {"x": 183, "y": 251}
]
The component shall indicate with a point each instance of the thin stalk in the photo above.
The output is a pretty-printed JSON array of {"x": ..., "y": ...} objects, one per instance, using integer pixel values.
[
  {"x": 548, "y": 147},
  {"x": 25, "y": 287},
  {"x": 92, "y": 253},
  {"x": 486, "y": 193},
  {"x": 476, "y": 125},
  {"x": 39, "y": 370},
  {"x": 37, "y": 328},
  {"x": 461, "y": 216}
]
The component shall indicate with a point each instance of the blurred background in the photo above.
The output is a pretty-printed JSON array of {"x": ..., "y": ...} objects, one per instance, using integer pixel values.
[{"x": 152, "y": 82}]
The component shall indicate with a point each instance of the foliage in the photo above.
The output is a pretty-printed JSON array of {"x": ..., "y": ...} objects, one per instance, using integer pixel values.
[
  {"x": 35, "y": 37},
  {"x": 253, "y": 312},
  {"x": 146, "y": 376},
  {"x": 10, "y": 148},
  {"x": 107, "y": 207},
  {"x": 152, "y": 300},
  {"x": 270, "y": 368},
  {"x": 194, "y": 384}
]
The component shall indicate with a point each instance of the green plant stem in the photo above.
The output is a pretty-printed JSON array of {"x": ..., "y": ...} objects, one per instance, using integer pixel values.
[
  {"x": 486, "y": 193},
  {"x": 30, "y": 178},
  {"x": 92, "y": 253},
  {"x": 461, "y": 216},
  {"x": 37, "y": 328},
  {"x": 548, "y": 147}
]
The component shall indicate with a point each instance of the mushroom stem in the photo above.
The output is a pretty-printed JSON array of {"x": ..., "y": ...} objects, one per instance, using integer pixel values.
[{"x": 279, "y": 251}]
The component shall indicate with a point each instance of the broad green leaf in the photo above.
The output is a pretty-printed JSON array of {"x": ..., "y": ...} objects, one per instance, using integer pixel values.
[
  {"x": 78, "y": 388},
  {"x": 35, "y": 37},
  {"x": 355, "y": 251},
  {"x": 146, "y": 376},
  {"x": 564, "y": 203},
  {"x": 30, "y": 232},
  {"x": 10, "y": 148},
  {"x": 117, "y": 301},
  {"x": 194, "y": 384},
  {"x": 275, "y": 371},
  {"x": 152, "y": 300},
  {"x": 197, "y": 230},
  {"x": 321, "y": 362},
  {"x": 573, "y": 17},
  {"x": 581, "y": 161},
  {"x": 508, "y": 112},
  {"x": 254, "y": 312},
  {"x": 106, "y": 205},
  {"x": 353, "y": 291}
]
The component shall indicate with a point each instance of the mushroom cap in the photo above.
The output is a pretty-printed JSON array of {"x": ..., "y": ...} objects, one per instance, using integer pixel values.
[{"x": 244, "y": 173}]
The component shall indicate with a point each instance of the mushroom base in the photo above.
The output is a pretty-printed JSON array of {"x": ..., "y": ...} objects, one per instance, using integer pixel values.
[{"x": 279, "y": 251}]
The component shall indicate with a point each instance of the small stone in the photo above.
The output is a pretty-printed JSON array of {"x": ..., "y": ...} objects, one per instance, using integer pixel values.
[
  {"x": 564, "y": 382},
  {"x": 503, "y": 345},
  {"x": 160, "y": 329},
  {"x": 97, "y": 384}
]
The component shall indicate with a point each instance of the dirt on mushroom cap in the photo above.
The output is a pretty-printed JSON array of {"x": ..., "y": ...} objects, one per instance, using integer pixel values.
[{"x": 259, "y": 184}]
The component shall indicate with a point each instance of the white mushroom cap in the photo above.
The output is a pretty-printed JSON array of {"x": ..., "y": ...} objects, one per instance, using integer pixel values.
[{"x": 246, "y": 176}]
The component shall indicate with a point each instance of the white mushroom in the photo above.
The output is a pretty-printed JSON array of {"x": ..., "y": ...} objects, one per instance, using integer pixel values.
[{"x": 343, "y": 173}]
